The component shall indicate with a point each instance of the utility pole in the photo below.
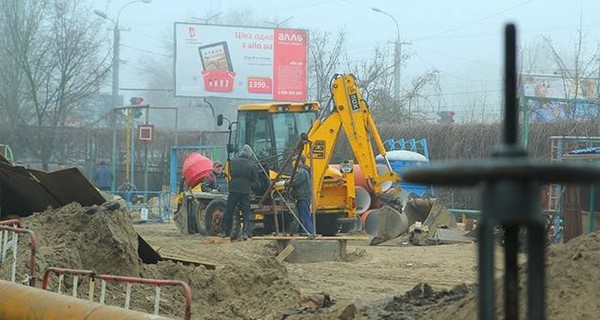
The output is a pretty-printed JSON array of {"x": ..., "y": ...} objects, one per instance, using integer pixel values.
[
  {"x": 397, "y": 57},
  {"x": 116, "y": 102},
  {"x": 115, "y": 82}
]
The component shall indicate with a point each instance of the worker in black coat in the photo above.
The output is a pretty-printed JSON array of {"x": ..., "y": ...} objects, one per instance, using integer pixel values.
[{"x": 242, "y": 172}]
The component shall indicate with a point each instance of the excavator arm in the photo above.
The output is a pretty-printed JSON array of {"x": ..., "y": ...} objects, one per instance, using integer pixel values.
[{"x": 351, "y": 113}]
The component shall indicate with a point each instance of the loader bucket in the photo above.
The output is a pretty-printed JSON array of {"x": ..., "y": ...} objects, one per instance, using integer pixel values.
[
  {"x": 25, "y": 191},
  {"x": 385, "y": 224},
  {"x": 430, "y": 212}
]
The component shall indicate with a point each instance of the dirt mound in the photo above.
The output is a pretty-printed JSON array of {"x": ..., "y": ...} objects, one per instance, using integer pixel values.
[
  {"x": 412, "y": 305},
  {"x": 573, "y": 273},
  {"x": 99, "y": 238},
  {"x": 102, "y": 238}
]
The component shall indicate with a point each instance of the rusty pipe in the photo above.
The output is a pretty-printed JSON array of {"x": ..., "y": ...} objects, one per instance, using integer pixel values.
[{"x": 21, "y": 302}]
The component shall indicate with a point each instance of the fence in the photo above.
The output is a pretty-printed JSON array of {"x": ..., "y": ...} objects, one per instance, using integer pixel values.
[
  {"x": 129, "y": 281},
  {"x": 13, "y": 228},
  {"x": 151, "y": 205}
]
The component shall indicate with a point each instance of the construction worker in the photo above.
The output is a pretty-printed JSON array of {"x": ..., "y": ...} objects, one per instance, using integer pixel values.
[
  {"x": 216, "y": 180},
  {"x": 242, "y": 174},
  {"x": 103, "y": 178},
  {"x": 301, "y": 190},
  {"x": 125, "y": 190}
]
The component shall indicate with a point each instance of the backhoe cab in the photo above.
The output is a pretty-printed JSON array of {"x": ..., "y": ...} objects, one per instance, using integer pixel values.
[{"x": 272, "y": 130}]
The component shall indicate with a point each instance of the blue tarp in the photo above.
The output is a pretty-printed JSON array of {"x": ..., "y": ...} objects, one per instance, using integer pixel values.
[{"x": 586, "y": 150}]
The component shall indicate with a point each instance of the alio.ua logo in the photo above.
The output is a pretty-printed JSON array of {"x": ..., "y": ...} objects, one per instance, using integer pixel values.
[
  {"x": 192, "y": 32},
  {"x": 295, "y": 37}
]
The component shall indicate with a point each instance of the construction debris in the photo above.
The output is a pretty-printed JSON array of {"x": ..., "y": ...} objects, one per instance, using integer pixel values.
[{"x": 103, "y": 239}]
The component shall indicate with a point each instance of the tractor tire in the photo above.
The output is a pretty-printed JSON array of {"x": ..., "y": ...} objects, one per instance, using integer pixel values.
[
  {"x": 190, "y": 209},
  {"x": 213, "y": 215},
  {"x": 198, "y": 213}
]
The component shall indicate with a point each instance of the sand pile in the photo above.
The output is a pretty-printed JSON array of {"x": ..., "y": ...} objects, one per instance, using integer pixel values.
[
  {"x": 573, "y": 274},
  {"x": 102, "y": 238}
]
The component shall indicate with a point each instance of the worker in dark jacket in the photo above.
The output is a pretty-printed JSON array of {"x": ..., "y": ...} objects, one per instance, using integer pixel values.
[
  {"x": 103, "y": 178},
  {"x": 301, "y": 190},
  {"x": 242, "y": 174},
  {"x": 216, "y": 180}
]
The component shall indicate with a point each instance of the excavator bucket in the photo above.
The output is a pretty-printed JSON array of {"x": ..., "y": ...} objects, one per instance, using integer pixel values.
[
  {"x": 385, "y": 224},
  {"x": 425, "y": 216}
]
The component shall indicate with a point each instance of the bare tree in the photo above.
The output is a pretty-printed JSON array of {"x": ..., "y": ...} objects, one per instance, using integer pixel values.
[
  {"x": 54, "y": 45},
  {"x": 324, "y": 61},
  {"x": 375, "y": 78},
  {"x": 579, "y": 72}
]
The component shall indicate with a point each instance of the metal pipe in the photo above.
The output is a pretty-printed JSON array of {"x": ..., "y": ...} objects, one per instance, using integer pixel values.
[
  {"x": 511, "y": 272},
  {"x": 18, "y": 302},
  {"x": 464, "y": 211},
  {"x": 592, "y": 214},
  {"x": 510, "y": 87}
]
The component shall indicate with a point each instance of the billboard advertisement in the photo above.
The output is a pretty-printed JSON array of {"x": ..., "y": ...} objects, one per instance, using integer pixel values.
[
  {"x": 553, "y": 98},
  {"x": 240, "y": 62}
]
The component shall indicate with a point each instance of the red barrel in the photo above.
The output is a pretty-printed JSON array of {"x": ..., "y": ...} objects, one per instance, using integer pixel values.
[{"x": 195, "y": 168}]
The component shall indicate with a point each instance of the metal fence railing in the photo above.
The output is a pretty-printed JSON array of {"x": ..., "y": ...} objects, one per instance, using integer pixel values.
[
  {"x": 151, "y": 205},
  {"x": 128, "y": 281},
  {"x": 9, "y": 240}
]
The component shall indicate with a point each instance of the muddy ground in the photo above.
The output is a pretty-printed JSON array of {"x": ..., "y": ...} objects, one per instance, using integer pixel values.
[{"x": 373, "y": 274}]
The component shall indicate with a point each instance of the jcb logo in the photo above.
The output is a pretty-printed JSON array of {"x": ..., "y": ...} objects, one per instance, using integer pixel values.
[{"x": 295, "y": 37}]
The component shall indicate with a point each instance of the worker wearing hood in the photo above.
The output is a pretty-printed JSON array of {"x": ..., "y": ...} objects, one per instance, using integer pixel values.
[{"x": 242, "y": 174}]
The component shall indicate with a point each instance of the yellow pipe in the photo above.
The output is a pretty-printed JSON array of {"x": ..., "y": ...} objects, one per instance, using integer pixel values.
[{"x": 19, "y": 302}]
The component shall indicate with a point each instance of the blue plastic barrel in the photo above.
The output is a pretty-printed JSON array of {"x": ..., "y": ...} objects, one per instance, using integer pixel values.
[{"x": 400, "y": 160}]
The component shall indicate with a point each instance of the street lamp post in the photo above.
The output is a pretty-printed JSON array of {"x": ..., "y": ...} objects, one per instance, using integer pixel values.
[
  {"x": 280, "y": 23},
  {"x": 208, "y": 18},
  {"x": 397, "y": 56},
  {"x": 115, "y": 81}
]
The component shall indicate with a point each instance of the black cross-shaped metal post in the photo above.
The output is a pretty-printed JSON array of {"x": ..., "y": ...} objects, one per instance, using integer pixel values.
[{"x": 511, "y": 200}]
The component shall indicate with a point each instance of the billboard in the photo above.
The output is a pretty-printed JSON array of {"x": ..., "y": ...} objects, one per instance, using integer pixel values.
[
  {"x": 240, "y": 62},
  {"x": 553, "y": 98}
]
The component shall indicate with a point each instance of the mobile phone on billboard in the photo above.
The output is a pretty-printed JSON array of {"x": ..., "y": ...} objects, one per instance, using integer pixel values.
[{"x": 215, "y": 56}]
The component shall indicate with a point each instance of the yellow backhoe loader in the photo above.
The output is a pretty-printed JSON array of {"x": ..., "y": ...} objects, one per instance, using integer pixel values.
[{"x": 278, "y": 132}]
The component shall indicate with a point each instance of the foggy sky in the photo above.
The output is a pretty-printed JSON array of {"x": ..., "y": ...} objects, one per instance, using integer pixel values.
[{"x": 461, "y": 38}]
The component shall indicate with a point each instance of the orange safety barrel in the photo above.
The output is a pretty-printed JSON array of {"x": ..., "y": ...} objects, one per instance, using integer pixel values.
[{"x": 195, "y": 168}]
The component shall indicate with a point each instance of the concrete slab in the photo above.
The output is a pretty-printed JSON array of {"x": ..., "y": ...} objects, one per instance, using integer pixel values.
[
  {"x": 308, "y": 251},
  {"x": 449, "y": 236}
]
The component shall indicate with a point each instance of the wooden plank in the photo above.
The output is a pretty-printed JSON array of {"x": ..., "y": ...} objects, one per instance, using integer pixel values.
[
  {"x": 357, "y": 238},
  {"x": 207, "y": 265},
  {"x": 285, "y": 253}
]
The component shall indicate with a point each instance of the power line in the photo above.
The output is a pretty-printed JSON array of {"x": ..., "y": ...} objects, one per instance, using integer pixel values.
[
  {"x": 472, "y": 22},
  {"x": 146, "y": 51},
  {"x": 459, "y": 59}
]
